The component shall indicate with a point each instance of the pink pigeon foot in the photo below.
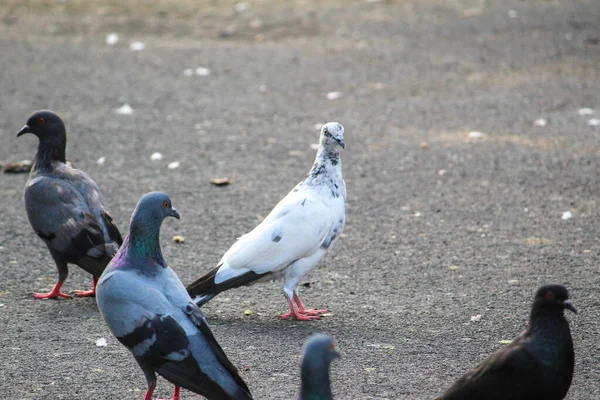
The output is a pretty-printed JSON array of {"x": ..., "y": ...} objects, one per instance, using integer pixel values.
[
  {"x": 294, "y": 314},
  {"x": 88, "y": 293},
  {"x": 304, "y": 310},
  {"x": 299, "y": 317},
  {"x": 53, "y": 294}
]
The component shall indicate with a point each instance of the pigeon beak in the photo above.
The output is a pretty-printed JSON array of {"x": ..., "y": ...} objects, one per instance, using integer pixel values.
[
  {"x": 336, "y": 354},
  {"x": 174, "y": 213},
  {"x": 569, "y": 306},
  {"x": 25, "y": 129},
  {"x": 341, "y": 143}
]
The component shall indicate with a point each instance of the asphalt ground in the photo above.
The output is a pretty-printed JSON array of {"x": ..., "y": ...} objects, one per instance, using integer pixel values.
[{"x": 442, "y": 224}]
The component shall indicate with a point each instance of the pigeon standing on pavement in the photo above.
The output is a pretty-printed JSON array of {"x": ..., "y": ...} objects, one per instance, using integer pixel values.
[
  {"x": 147, "y": 308},
  {"x": 65, "y": 207},
  {"x": 538, "y": 364},
  {"x": 293, "y": 238},
  {"x": 319, "y": 352}
]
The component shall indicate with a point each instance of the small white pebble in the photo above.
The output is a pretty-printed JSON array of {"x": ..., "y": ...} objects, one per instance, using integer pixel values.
[
  {"x": 125, "y": 109},
  {"x": 137, "y": 46},
  {"x": 156, "y": 156},
  {"x": 475, "y": 318},
  {"x": 174, "y": 165},
  {"x": 593, "y": 122},
  {"x": 512, "y": 13},
  {"x": 188, "y": 72},
  {"x": 585, "y": 111},
  {"x": 442, "y": 172},
  {"x": 476, "y": 134},
  {"x": 540, "y": 122},
  {"x": 567, "y": 215},
  {"x": 513, "y": 282},
  {"x": 202, "y": 71},
  {"x": 334, "y": 95},
  {"x": 101, "y": 160},
  {"x": 242, "y": 6},
  {"x": 568, "y": 36},
  {"x": 314, "y": 146},
  {"x": 262, "y": 88},
  {"x": 101, "y": 342},
  {"x": 112, "y": 39}
]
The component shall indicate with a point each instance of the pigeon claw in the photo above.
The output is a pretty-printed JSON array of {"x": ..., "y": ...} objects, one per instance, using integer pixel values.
[
  {"x": 312, "y": 312},
  {"x": 85, "y": 293},
  {"x": 299, "y": 317},
  {"x": 51, "y": 295}
]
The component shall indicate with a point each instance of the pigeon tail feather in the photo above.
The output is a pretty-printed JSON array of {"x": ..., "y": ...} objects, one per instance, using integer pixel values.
[{"x": 206, "y": 287}]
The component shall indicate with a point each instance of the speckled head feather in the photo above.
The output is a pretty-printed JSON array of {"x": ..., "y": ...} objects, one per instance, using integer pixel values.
[
  {"x": 319, "y": 351},
  {"x": 332, "y": 136}
]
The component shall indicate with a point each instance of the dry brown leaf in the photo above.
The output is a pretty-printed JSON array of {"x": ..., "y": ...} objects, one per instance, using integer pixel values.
[
  {"x": 18, "y": 167},
  {"x": 220, "y": 181}
]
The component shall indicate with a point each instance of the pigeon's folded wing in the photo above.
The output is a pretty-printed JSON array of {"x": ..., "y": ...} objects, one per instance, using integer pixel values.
[
  {"x": 510, "y": 373},
  {"x": 292, "y": 231},
  {"x": 199, "y": 320},
  {"x": 60, "y": 216}
]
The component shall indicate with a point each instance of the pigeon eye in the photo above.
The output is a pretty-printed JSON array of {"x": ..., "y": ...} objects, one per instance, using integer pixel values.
[
  {"x": 550, "y": 296},
  {"x": 166, "y": 204},
  {"x": 41, "y": 121},
  {"x": 332, "y": 346}
]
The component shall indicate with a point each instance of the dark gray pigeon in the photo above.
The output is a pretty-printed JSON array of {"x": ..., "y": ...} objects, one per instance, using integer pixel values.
[
  {"x": 293, "y": 239},
  {"x": 537, "y": 365},
  {"x": 65, "y": 207},
  {"x": 147, "y": 308},
  {"x": 319, "y": 351}
]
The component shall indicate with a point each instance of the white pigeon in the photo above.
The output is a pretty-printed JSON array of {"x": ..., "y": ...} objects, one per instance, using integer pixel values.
[{"x": 294, "y": 237}]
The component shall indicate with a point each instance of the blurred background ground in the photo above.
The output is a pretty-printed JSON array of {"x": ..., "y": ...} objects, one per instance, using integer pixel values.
[{"x": 443, "y": 223}]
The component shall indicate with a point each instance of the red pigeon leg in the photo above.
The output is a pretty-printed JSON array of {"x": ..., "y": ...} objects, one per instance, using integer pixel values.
[
  {"x": 88, "y": 293},
  {"x": 54, "y": 293},
  {"x": 151, "y": 388},
  {"x": 176, "y": 393},
  {"x": 304, "y": 311}
]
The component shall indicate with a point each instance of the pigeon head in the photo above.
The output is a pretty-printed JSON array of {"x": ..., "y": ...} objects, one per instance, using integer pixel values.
[
  {"x": 319, "y": 351},
  {"x": 144, "y": 229},
  {"x": 552, "y": 299},
  {"x": 46, "y": 125},
  {"x": 332, "y": 135},
  {"x": 50, "y": 130},
  {"x": 154, "y": 207}
]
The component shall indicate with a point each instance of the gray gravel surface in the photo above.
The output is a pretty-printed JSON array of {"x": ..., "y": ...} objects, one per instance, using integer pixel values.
[{"x": 440, "y": 227}]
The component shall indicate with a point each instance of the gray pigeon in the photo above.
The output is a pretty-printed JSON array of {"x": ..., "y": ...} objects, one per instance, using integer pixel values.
[
  {"x": 319, "y": 351},
  {"x": 65, "y": 207},
  {"x": 537, "y": 365},
  {"x": 293, "y": 239},
  {"x": 147, "y": 308}
]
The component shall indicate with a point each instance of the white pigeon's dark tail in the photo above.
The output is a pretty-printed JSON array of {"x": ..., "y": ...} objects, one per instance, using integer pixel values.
[
  {"x": 202, "y": 300},
  {"x": 205, "y": 287}
]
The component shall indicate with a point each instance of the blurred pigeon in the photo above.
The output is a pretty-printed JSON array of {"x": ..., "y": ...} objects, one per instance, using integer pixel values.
[
  {"x": 293, "y": 238},
  {"x": 65, "y": 207},
  {"x": 319, "y": 351},
  {"x": 147, "y": 308},
  {"x": 538, "y": 364}
]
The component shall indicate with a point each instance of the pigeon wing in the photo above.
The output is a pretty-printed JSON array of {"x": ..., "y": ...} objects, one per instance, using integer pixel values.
[
  {"x": 510, "y": 373},
  {"x": 292, "y": 231},
  {"x": 60, "y": 216}
]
